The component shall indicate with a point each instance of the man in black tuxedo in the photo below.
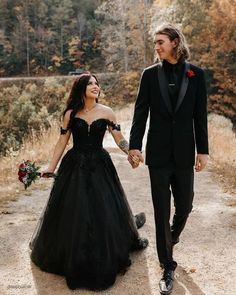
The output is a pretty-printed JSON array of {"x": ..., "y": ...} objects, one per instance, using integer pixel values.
[{"x": 173, "y": 92}]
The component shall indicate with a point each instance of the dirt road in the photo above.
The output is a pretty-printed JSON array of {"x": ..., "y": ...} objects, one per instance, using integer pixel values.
[{"x": 206, "y": 253}]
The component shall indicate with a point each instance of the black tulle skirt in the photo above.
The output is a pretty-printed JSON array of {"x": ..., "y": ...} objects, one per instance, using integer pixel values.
[{"x": 87, "y": 230}]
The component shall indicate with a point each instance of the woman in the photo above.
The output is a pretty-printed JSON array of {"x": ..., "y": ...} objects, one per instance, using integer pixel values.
[{"x": 87, "y": 230}]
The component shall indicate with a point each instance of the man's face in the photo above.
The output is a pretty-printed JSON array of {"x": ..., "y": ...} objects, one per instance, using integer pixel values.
[{"x": 164, "y": 47}]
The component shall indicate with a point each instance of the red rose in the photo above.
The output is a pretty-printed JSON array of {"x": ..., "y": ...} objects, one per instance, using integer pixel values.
[
  {"x": 22, "y": 166},
  {"x": 21, "y": 179},
  {"x": 190, "y": 73},
  {"x": 21, "y": 173}
]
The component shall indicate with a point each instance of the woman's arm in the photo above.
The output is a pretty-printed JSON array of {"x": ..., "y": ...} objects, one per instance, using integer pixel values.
[
  {"x": 121, "y": 142},
  {"x": 60, "y": 145}
]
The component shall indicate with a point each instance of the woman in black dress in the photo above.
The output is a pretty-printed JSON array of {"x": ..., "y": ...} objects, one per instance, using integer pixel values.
[{"x": 87, "y": 230}]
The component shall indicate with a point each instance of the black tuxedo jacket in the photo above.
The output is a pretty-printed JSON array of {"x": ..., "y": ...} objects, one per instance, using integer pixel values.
[{"x": 173, "y": 134}]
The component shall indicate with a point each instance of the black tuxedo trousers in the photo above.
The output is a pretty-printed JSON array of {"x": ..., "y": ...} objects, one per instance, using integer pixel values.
[{"x": 179, "y": 182}]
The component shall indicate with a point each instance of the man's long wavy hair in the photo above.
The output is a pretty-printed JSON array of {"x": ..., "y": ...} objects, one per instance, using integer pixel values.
[
  {"x": 181, "y": 51},
  {"x": 75, "y": 101}
]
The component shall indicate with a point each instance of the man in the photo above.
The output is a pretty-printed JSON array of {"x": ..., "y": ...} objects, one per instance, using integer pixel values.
[{"x": 173, "y": 92}]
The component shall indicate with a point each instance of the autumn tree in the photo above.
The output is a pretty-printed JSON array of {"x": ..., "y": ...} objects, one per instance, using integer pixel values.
[
  {"x": 222, "y": 57},
  {"x": 125, "y": 42},
  {"x": 36, "y": 36}
]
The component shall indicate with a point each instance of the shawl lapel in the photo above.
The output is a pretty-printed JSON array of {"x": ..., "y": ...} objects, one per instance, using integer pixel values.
[{"x": 183, "y": 87}]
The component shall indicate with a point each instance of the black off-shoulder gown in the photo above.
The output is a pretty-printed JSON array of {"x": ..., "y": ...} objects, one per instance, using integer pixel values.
[{"x": 87, "y": 229}]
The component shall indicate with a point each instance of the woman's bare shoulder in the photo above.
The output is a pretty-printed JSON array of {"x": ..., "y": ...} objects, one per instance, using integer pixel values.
[
  {"x": 107, "y": 111},
  {"x": 104, "y": 107}
]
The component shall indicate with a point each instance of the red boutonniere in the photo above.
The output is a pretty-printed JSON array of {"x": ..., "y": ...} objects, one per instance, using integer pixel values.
[{"x": 190, "y": 73}]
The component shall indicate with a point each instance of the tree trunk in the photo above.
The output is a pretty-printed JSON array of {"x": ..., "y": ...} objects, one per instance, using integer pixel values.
[
  {"x": 124, "y": 39},
  {"x": 61, "y": 40},
  {"x": 145, "y": 34}
]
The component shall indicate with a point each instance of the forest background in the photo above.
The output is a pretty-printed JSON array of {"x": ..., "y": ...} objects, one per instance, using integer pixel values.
[{"x": 41, "y": 41}]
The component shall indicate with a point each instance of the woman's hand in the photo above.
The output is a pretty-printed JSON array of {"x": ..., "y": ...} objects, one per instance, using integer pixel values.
[
  {"x": 135, "y": 157},
  {"x": 47, "y": 173}
]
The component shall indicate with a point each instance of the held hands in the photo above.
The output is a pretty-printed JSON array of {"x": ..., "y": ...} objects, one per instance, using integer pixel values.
[
  {"x": 201, "y": 161},
  {"x": 134, "y": 158}
]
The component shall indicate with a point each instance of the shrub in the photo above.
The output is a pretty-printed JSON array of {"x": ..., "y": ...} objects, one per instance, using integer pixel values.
[{"x": 30, "y": 105}]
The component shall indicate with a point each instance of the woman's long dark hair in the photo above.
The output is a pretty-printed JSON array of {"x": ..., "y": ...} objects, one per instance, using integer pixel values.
[{"x": 75, "y": 101}]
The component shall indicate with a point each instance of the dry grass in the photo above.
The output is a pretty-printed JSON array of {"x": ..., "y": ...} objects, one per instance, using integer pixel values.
[
  {"x": 223, "y": 151},
  {"x": 38, "y": 149}
]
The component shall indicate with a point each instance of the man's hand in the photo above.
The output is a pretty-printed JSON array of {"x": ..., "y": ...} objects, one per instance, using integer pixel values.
[
  {"x": 135, "y": 157},
  {"x": 201, "y": 161}
]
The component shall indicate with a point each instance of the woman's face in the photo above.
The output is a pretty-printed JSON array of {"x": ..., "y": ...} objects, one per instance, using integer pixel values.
[
  {"x": 92, "y": 89},
  {"x": 164, "y": 46}
]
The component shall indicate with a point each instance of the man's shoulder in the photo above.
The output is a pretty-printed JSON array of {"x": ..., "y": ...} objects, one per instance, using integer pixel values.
[
  {"x": 196, "y": 68},
  {"x": 151, "y": 68}
]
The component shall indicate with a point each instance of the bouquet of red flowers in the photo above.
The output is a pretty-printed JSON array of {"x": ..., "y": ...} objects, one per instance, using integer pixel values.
[{"x": 29, "y": 172}]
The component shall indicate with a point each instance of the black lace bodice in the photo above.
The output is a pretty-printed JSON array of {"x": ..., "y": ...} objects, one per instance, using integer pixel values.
[{"x": 89, "y": 136}]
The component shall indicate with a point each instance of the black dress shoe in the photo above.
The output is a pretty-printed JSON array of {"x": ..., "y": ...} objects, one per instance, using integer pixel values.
[
  {"x": 166, "y": 282},
  {"x": 141, "y": 244},
  {"x": 140, "y": 219}
]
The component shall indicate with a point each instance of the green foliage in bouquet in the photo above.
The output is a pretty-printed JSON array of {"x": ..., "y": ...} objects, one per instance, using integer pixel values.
[{"x": 28, "y": 173}]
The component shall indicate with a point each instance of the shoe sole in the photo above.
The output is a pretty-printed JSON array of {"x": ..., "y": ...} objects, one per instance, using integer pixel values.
[
  {"x": 139, "y": 223},
  {"x": 166, "y": 292}
]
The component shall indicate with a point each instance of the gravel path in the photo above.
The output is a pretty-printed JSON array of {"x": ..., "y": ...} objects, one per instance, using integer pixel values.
[{"x": 206, "y": 253}]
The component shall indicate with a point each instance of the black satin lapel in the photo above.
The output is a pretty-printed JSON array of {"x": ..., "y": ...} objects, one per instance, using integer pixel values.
[
  {"x": 183, "y": 87},
  {"x": 164, "y": 88}
]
